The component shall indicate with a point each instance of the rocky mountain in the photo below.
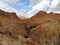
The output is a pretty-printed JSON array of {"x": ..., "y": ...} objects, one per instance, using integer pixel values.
[
  {"x": 41, "y": 29},
  {"x": 11, "y": 25},
  {"x": 45, "y": 28},
  {"x": 12, "y": 30}
]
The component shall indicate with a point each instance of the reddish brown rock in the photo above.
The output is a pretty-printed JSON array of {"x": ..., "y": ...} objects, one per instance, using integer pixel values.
[
  {"x": 47, "y": 31},
  {"x": 5, "y": 40},
  {"x": 11, "y": 25},
  {"x": 38, "y": 19},
  {"x": 43, "y": 29},
  {"x": 41, "y": 17}
]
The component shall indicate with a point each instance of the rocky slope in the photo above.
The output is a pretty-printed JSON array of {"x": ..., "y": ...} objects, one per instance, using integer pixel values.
[
  {"x": 45, "y": 28},
  {"x": 12, "y": 30},
  {"x": 5, "y": 40},
  {"x": 11, "y": 25},
  {"x": 41, "y": 29}
]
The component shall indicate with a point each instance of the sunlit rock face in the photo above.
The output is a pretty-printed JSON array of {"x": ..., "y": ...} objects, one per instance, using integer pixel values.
[
  {"x": 11, "y": 25},
  {"x": 46, "y": 30},
  {"x": 41, "y": 29},
  {"x": 12, "y": 30},
  {"x": 41, "y": 17}
]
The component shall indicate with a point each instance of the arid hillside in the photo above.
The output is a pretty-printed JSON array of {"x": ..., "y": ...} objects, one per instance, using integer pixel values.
[
  {"x": 12, "y": 30},
  {"x": 41, "y": 17},
  {"x": 41, "y": 29},
  {"x": 45, "y": 28},
  {"x": 11, "y": 25}
]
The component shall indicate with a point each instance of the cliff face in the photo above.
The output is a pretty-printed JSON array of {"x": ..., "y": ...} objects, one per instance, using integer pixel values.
[
  {"x": 38, "y": 18},
  {"x": 11, "y": 25},
  {"x": 12, "y": 30},
  {"x": 41, "y": 29},
  {"x": 46, "y": 30},
  {"x": 41, "y": 17}
]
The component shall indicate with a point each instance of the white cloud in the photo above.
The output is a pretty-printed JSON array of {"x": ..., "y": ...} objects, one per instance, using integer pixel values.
[
  {"x": 55, "y": 6},
  {"x": 17, "y": 2},
  {"x": 54, "y": 3},
  {"x": 40, "y": 6},
  {"x": 8, "y": 8},
  {"x": 12, "y": 1},
  {"x": 20, "y": 4},
  {"x": 32, "y": 1}
]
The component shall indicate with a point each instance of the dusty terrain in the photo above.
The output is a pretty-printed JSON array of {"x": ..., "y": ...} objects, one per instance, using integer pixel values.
[{"x": 41, "y": 29}]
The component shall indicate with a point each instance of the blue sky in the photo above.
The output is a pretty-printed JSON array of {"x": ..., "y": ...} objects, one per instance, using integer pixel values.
[{"x": 28, "y": 8}]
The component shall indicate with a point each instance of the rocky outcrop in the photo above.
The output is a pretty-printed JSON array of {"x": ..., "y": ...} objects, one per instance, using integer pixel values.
[
  {"x": 41, "y": 17},
  {"x": 47, "y": 30},
  {"x": 5, "y": 40},
  {"x": 37, "y": 19},
  {"x": 41, "y": 29},
  {"x": 11, "y": 25},
  {"x": 46, "y": 33}
]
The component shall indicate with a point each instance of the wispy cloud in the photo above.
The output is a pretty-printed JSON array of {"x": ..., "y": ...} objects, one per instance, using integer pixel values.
[
  {"x": 29, "y": 8},
  {"x": 8, "y": 8},
  {"x": 55, "y": 6},
  {"x": 33, "y": 1},
  {"x": 11, "y": 1},
  {"x": 40, "y": 6}
]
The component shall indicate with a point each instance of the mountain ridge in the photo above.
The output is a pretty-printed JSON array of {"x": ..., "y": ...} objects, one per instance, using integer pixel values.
[{"x": 41, "y": 29}]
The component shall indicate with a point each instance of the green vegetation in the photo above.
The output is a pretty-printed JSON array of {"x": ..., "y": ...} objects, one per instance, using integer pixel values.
[{"x": 28, "y": 29}]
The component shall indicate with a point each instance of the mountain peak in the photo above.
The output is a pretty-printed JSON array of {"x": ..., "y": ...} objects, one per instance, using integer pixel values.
[
  {"x": 11, "y": 15},
  {"x": 40, "y": 13}
]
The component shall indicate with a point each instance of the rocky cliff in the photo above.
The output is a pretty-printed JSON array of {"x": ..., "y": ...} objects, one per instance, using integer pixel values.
[
  {"x": 45, "y": 28},
  {"x": 41, "y": 29}
]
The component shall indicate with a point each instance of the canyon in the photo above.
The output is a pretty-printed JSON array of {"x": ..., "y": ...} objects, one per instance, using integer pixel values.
[{"x": 41, "y": 29}]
